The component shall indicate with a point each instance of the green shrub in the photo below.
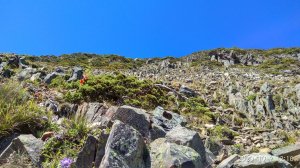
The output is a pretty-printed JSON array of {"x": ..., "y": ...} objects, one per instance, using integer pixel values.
[
  {"x": 17, "y": 112},
  {"x": 197, "y": 107},
  {"x": 251, "y": 97},
  {"x": 221, "y": 131},
  {"x": 119, "y": 89}
]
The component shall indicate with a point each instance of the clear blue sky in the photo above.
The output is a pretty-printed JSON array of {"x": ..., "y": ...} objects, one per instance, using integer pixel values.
[{"x": 146, "y": 28}]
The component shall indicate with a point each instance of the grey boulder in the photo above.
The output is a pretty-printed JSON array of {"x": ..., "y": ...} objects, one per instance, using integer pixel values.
[
  {"x": 137, "y": 118},
  {"x": 167, "y": 119},
  {"x": 183, "y": 136},
  {"x": 125, "y": 148},
  {"x": 77, "y": 74},
  {"x": 26, "y": 144},
  {"x": 167, "y": 155},
  {"x": 259, "y": 160},
  {"x": 86, "y": 156}
]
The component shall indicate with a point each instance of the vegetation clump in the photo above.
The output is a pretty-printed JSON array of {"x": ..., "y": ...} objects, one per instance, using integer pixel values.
[
  {"x": 118, "y": 89},
  {"x": 17, "y": 112}
]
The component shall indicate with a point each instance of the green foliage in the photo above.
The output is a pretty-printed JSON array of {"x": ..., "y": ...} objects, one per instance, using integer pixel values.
[
  {"x": 221, "y": 131},
  {"x": 279, "y": 51},
  {"x": 119, "y": 89},
  {"x": 111, "y": 62},
  {"x": 196, "y": 107},
  {"x": 68, "y": 144},
  {"x": 251, "y": 97},
  {"x": 276, "y": 66},
  {"x": 17, "y": 112}
]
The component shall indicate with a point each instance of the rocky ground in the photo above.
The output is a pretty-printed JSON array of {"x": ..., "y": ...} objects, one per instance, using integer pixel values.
[{"x": 219, "y": 108}]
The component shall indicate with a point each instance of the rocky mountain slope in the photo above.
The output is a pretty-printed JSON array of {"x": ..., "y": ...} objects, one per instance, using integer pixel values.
[{"x": 217, "y": 108}]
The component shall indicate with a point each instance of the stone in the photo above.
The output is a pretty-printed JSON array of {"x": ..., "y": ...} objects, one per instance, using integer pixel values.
[
  {"x": 67, "y": 110},
  {"x": 50, "y": 77},
  {"x": 101, "y": 147},
  {"x": 51, "y": 106},
  {"x": 91, "y": 111},
  {"x": 135, "y": 117},
  {"x": 287, "y": 152},
  {"x": 27, "y": 144},
  {"x": 228, "y": 162},
  {"x": 77, "y": 74},
  {"x": 125, "y": 148},
  {"x": 7, "y": 73},
  {"x": 47, "y": 135},
  {"x": 187, "y": 91},
  {"x": 167, "y": 119},
  {"x": 26, "y": 74},
  {"x": 297, "y": 89},
  {"x": 168, "y": 155},
  {"x": 86, "y": 156},
  {"x": 266, "y": 88},
  {"x": 210, "y": 157},
  {"x": 156, "y": 132},
  {"x": 214, "y": 146},
  {"x": 265, "y": 150},
  {"x": 183, "y": 136},
  {"x": 258, "y": 160},
  {"x": 36, "y": 76}
]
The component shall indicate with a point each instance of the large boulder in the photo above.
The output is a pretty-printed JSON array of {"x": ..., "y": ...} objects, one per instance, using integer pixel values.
[
  {"x": 103, "y": 137},
  {"x": 91, "y": 111},
  {"x": 26, "y": 73},
  {"x": 58, "y": 72},
  {"x": 167, "y": 119},
  {"x": 77, "y": 74},
  {"x": 168, "y": 155},
  {"x": 183, "y": 136},
  {"x": 137, "y": 118},
  {"x": 228, "y": 162},
  {"x": 86, "y": 156},
  {"x": 288, "y": 152},
  {"x": 48, "y": 79},
  {"x": 258, "y": 160},
  {"x": 27, "y": 144},
  {"x": 125, "y": 148}
]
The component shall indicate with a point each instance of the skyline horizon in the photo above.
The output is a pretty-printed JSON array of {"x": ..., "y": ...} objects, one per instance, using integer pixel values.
[{"x": 104, "y": 54}]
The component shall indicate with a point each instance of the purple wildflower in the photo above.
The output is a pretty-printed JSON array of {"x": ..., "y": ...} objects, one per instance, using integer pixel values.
[{"x": 66, "y": 163}]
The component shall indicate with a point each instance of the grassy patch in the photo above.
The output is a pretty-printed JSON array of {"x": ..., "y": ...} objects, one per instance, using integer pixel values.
[
  {"x": 66, "y": 145},
  {"x": 118, "y": 89},
  {"x": 17, "y": 112}
]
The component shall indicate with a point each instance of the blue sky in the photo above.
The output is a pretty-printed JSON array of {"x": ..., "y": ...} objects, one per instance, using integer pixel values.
[{"x": 146, "y": 28}]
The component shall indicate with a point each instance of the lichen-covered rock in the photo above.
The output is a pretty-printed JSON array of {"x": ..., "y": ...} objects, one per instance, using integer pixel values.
[
  {"x": 166, "y": 155},
  {"x": 287, "y": 153},
  {"x": 27, "y": 144},
  {"x": 167, "y": 119},
  {"x": 86, "y": 156},
  {"x": 156, "y": 132},
  {"x": 91, "y": 111},
  {"x": 125, "y": 148},
  {"x": 77, "y": 74},
  {"x": 137, "y": 118},
  {"x": 183, "y": 136},
  {"x": 26, "y": 73},
  {"x": 50, "y": 77},
  {"x": 228, "y": 162},
  {"x": 259, "y": 160}
]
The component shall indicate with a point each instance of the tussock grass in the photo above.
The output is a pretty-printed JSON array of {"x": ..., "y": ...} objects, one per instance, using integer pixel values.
[{"x": 17, "y": 112}]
